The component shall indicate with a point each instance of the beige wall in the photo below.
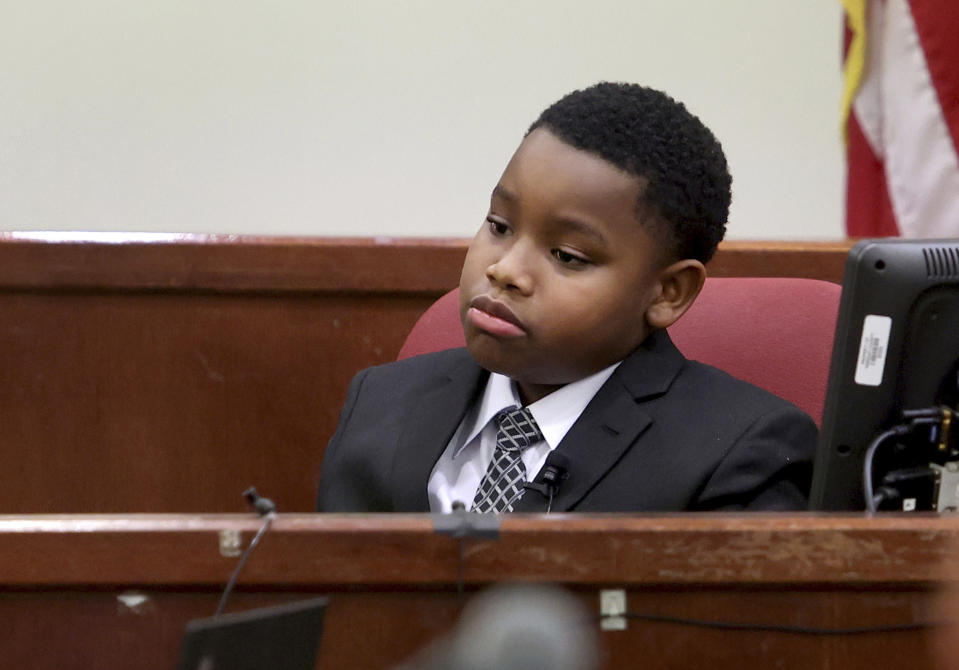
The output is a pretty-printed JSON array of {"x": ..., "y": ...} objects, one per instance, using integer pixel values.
[{"x": 386, "y": 118}]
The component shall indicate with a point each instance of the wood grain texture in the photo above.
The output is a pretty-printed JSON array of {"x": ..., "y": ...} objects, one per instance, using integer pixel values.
[
  {"x": 166, "y": 373},
  {"x": 106, "y": 550},
  {"x": 392, "y": 582},
  {"x": 841, "y": 550},
  {"x": 386, "y": 265}
]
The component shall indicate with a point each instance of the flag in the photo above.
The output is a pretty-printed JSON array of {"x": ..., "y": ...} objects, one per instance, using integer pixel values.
[{"x": 901, "y": 118}]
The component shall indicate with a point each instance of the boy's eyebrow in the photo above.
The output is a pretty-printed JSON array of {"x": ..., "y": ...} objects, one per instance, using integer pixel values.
[
  {"x": 573, "y": 225},
  {"x": 500, "y": 192},
  {"x": 577, "y": 226}
]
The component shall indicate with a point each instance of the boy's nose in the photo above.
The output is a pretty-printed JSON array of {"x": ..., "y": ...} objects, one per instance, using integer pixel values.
[{"x": 511, "y": 270}]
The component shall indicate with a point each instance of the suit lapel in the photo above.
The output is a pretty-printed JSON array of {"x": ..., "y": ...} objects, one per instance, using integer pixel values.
[
  {"x": 429, "y": 428},
  {"x": 613, "y": 421}
]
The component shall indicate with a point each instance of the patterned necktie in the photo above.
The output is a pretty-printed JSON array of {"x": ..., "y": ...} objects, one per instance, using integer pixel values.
[{"x": 502, "y": 486}]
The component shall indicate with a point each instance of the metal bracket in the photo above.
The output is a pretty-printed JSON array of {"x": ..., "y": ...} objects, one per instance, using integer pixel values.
[
  {"x": 612, "y": 609},
  {"x": 230, "y": 543},
  {"x": 460, "y": 524}
]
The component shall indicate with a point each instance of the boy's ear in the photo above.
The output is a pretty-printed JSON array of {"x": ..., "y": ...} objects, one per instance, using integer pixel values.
[{"x": 680, "y": 283}]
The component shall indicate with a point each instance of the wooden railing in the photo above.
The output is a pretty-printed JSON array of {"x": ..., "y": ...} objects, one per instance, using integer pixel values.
[{"x": 115, "y": 591}]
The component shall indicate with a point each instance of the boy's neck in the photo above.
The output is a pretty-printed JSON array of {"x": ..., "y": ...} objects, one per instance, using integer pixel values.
[{"x": 530, "y": 393}]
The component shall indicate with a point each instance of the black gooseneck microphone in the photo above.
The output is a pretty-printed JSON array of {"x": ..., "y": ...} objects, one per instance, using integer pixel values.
[
  {"x": 553, "y": 473},
  {"x": 266, "y": 509},
  {"x": 263, "y": 506}
]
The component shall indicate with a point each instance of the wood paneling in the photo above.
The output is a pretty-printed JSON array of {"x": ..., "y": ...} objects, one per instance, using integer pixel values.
[
  {"x": 350, "y": 265},
  {"x": 166, "y": 373},
  {"x": 393, "y": 584}
]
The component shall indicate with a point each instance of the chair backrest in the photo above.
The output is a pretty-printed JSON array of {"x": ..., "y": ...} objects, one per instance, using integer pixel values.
[{"x": 774, "y": 332}]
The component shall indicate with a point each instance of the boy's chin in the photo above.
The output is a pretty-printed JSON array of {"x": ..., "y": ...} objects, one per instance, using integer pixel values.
[
  {"x": 486, "y": 356},
  {"x": 490, "y": 355},
  {"x": 520, "y": 368}
]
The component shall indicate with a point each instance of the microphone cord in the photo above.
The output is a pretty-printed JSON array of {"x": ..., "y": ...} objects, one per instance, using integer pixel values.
[{"x": 266, "y": 509}]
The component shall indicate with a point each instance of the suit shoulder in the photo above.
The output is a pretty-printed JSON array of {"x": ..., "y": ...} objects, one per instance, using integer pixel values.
[{"x": 716, "y": 386}]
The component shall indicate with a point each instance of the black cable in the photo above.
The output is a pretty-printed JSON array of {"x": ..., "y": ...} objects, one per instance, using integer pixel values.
[
  {"x": 779, "y": 628},
  {"x": 243, "y": 559},
  {"x": 871, "y": 503},
  {"x": 266, "y": 509},
  {"x": 929, "y": 416}
]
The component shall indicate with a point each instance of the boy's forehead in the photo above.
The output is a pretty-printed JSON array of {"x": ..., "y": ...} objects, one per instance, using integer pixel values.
[
  {"x": 566, "y": 185},
  {"x": 545, "y": 163}
]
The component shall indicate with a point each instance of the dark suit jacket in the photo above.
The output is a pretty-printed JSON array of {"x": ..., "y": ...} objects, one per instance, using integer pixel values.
[{"x": 662, "y": 434}]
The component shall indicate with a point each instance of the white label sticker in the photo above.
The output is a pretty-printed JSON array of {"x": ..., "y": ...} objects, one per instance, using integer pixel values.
[{"x": 873, "y": 348}]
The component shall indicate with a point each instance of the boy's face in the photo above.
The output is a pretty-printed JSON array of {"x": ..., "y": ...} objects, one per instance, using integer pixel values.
[{"x": 558, "y": 279}]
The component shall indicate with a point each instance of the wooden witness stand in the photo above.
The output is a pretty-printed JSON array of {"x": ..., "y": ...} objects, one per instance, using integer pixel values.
[
  {"x": 71, "y": 585},
  {"x": 165, "y": 374}
]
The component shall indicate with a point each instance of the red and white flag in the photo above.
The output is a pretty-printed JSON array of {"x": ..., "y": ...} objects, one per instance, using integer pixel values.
[{"x": 901, "y": 115}]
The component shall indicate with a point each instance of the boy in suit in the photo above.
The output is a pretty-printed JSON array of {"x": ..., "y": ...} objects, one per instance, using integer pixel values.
[{"x": 594, "y": 244}]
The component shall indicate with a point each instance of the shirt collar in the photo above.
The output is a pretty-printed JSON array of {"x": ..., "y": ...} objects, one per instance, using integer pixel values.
[{"x": 555, "y": 413}]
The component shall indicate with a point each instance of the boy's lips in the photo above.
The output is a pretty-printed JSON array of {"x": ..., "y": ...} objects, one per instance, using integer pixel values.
[{"x": 494, "y": 317}]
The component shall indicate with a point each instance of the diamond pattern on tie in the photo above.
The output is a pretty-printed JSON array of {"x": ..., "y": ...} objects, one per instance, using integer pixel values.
[{"x": 502, "y": 486}]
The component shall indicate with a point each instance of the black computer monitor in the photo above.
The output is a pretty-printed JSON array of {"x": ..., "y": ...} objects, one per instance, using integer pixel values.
[
  {"x": 894, "y": 365},
  {"x": 280, "y": 637}
]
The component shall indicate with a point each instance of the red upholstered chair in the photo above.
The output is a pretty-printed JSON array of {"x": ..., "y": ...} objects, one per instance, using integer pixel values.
[{"x": 776, "y": 333}]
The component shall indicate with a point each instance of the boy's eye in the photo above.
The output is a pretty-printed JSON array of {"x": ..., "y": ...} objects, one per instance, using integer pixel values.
[
  {"x": 566, "y": 258},
  {"x": 497, "y": 227}
]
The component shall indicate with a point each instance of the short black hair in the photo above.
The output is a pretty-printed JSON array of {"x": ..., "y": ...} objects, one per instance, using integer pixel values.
[{"x": 649, "y": 134}]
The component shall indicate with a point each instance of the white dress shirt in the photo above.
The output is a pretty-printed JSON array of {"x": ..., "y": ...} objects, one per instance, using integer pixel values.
[{"x": 458, "y": 472}]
